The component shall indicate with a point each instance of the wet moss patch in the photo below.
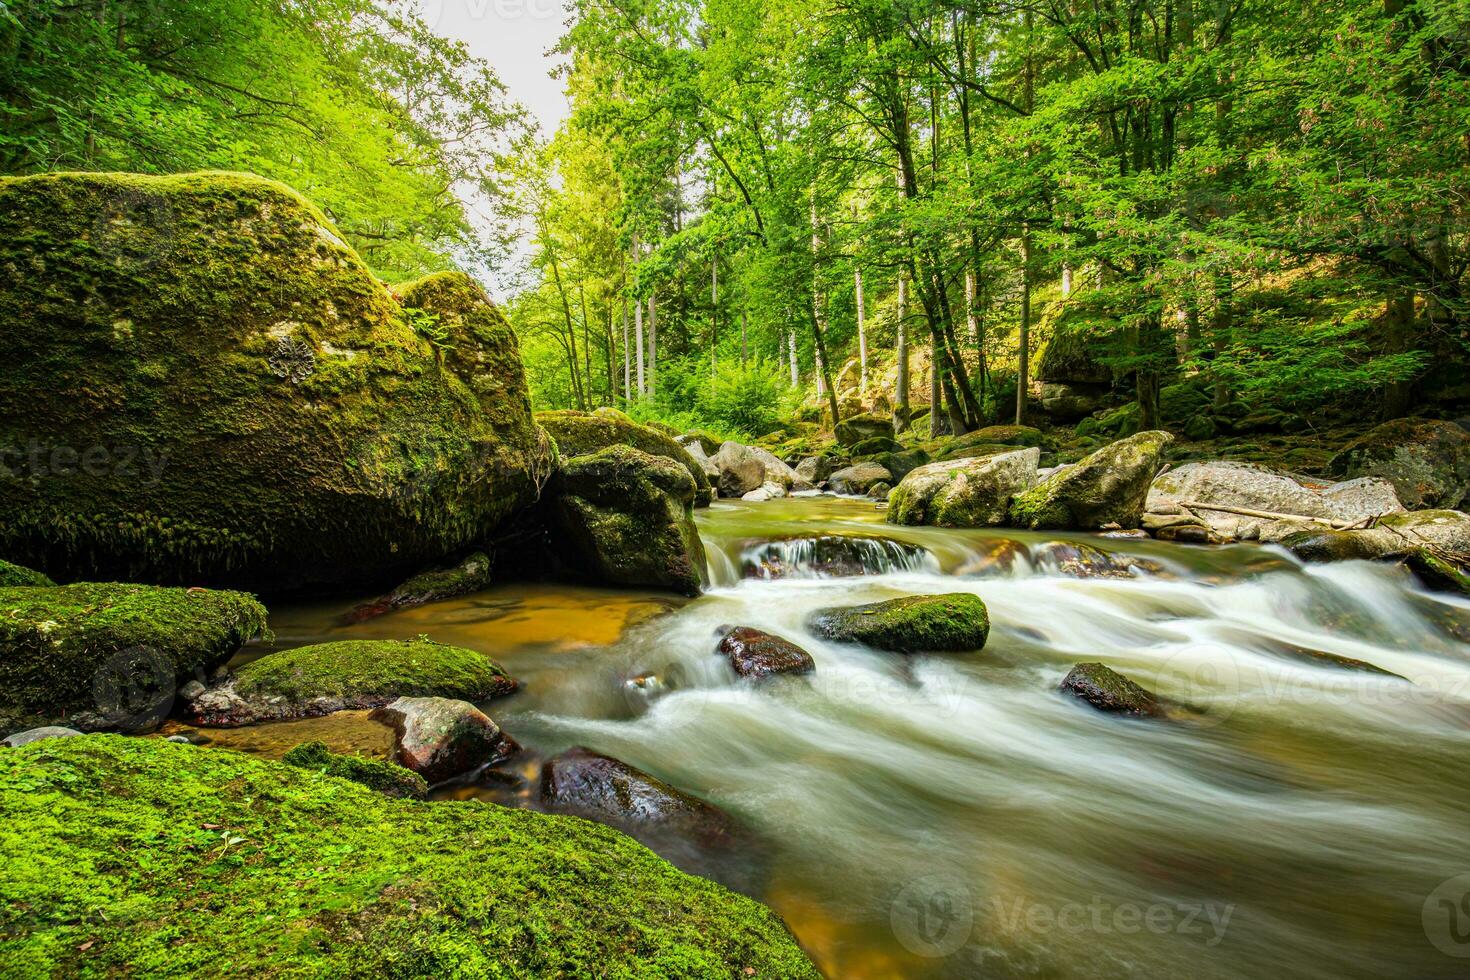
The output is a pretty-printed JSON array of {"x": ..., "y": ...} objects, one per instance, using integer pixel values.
[{"x": 951, "y": 623}]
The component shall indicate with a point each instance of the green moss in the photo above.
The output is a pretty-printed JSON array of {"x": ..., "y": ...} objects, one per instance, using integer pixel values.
[
  {"x": 387, "y": 778},
  {"x": 468, "y": 576},
  {"x": 17, "y": 575},
  {"x": 358, "y": 670},
  {"x": 953, "y": 622},
  {"x": 141, "y": 857},
  {"x": 583, "y": 433},
  {"x": 626, "y": 518},
  {"x": 147, "y": 319},
  {"x": 1108, "y": 486},
  {"x": 63, "y": 648}
]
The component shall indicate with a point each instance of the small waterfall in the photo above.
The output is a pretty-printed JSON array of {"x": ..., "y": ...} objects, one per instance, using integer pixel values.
[{"x": 832, "y": 556}]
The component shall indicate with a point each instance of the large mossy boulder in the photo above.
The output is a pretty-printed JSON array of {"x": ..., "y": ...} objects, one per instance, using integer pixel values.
[
  {"x": 103, "y": 655},
  {"x": 963, "y": 492},
  {"x": 913, "y": 624},
  {"x": 859, "y": 428},
  {"x": 1108, "y": 487},
  {"x": 347, "y": 674},
  {"x": 218, "y": 391},
  {"x": 624, "y": 517},
  {"x": 119, "y": 840},
  {"x": 1426, "y": 460},
  {"x": 582, "y": 433}
]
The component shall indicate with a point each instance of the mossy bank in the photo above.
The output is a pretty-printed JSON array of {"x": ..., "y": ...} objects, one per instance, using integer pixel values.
[{"x": 141, "y": 857}]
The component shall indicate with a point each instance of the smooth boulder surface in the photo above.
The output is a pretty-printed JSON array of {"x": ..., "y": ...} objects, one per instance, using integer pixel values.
[
  {"x": 388, "y": 778},
  {"x": 108, "y": 655},
  {"x": 814, "y": 469},
  {"x": 1427, "y": 461},
  {"x": 440, "y": 738},
  {"x": 744, "y": 468},
  {"x": 223, "y": 394},
  {"x": 755, "y": 654},
  {"x": 913, "y": 624},
  {"x": 963, "y": 493},
  {"x": 1110, "y": 692},
  {"x": 17, "y": 739},
  {"x": 627, "y": 518},
  {"x": 325, "y": 677},
  {"x": 1108, "y": 487},
  {"x": 584, "y": 433},
  {"x": 338, "y": 880},
  {"x": 859, "y": 428},
  {"x": 1394, "y": 536},
  {"x": 858, "y": 479},
  {"x": 1249, "y": 487}
]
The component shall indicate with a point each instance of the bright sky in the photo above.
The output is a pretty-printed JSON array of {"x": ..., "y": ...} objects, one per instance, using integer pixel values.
[{"x": 513, "y": 36}]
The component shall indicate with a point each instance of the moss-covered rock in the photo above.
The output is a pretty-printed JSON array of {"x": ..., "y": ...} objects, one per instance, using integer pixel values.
[
  {"x": 1110, "y": 692},
  {"x": 1394, "y": 536},
  {"x": 912, "y": 624},
  {"x": 625, "y": 517},
  {"x": 851, "y": 431},
  {"x": 114, "y": 844},
  {"x": 17, "y": 575},
  {"x": 859, "y": 478},
  {"x": 1426, "y": 460},
  {"x": 1109, "y": 486},
  {"x": 218, "y": 391},
  {"x": 1003, "y": 435},
  {"x": 388, "y": 778},
  {"x": 434, "y": 585},
  {"x": 875, "y": 446},
  {"x": 1439, "y": 572},
  {"x": 963, "y": 493},
  {"x": 326, "y": 677},
  {"x": 109, "y": 655},
  {"x": 584, "y": 433}
]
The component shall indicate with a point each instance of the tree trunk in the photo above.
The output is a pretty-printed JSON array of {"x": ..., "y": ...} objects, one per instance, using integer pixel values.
[
  {"x": 901, "y": 384},
  {"x": 862, "y": 333},
  {"x": 652, "y": 343},
  {"x": 1398, "y": 336},
  {"x": 1220, "y": 326},
  {"x": 1023, "y": 352},
  {"x": 791, "y": 349}
]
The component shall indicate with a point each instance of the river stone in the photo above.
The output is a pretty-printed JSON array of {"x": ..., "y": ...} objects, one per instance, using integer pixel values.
[
  {"x": 1072, "y": 402},
  {"x": 253, "y": 407},
  {"x": 440, "y": 738},
  {"x": 1428, "y": 461},
  {"x": 109, "y": 655},
  {"x": 1110, "y": 692},
  {"x": 1438, "y": 573},
  {"x": 1251, "y": 487},
  {"x": 322, "y": 678},
  {"x": 744, "y": 468},
  {"x": 858, "y": 479},
  {"x": 695, "y": 448},
  {"x": 963, "y": 493},
  {"x": 946, "y": 623},
  {"x": 470, "y": 575},
  {"x": 708, "y": 444},
  {"x": 30, "y": 735},
  {"x": 627, "y": 518},
  {"x": 755, "y": 654},
  {"x": 583, "y": 433},
  {"x": 598, "y": 787},
  {"x": 814, "y": 469},
  {"x": 1395, "y": 535},
  {"x": 1108, "y": 487},
  {"x": 766, "y": 491},
  {"x": 858, "y": 428}
]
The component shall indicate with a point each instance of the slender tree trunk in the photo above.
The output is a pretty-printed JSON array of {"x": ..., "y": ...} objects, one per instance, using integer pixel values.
[
  {"x": 744, "y": 346},
  {"x": 627, "y": 357},
  {"x": 1023, "y": 352},
  {"x": 901, "y": 384},
  {"x": 1220, "y": 327},
  {"x": 862, "y": 333},
  {"x": 1398, "y": 335},
  {"x": 652, "y": 343},
  {"x": 714, "y": 313},
  {"x": 791, "y": 349}
]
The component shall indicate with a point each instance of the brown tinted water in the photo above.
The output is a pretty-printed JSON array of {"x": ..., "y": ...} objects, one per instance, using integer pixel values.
[{"x": 953, "y": 816}]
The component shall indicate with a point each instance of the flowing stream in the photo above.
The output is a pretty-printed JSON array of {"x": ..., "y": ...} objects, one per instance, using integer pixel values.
[{"x": 1298, "y": 815}]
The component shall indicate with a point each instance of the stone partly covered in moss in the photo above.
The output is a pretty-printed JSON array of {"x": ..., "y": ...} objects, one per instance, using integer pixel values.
[
  {"x": 744, "y": 468},
  {"x": 16, "y": 575},
  {"x": 963, "y": 493},
  {"x": 1427, "y": 461},
  {"x": 218, "y": 391},
  {"x": 875, "y": 446},
  {"x": 757, "y": 654},
  {"x": 102, "y": 656},
  {"x": 470, "y": 575},
  {"x": 854, "y": 430},
  {"x": 1110, "y": 692},
  {"x": 1393, "y": 537},
  {"x": 584, "y": 433},
  {"x": 1108, "y": 487},
  {"x": 859, "y": 478},
  {"x": 387, "y": 778},
  {"x": 440, "y": 738},
  {"x": 1438, "y": 572},
  {"x": 114, "y": 842},
  {"x": 625, "y": 517},
  {"x": 947, "y": 623},
  {"x": 326, "y": 677},
  {"x": 1004, "y": 435}
]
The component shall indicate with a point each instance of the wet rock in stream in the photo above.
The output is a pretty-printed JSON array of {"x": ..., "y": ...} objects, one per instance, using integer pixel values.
[
  {"x": 1110, "y": 692},
  {"x": 946, "y": 623},
  {"x": 440, "y": 738},
  {"x": 831, "y": 556},
  {"x": 756, "y": 654}
]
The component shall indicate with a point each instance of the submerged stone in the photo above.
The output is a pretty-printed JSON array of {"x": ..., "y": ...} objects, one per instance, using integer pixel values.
[
  {"x": 1109, "y": 691},
  {"x": 755, "y": 654},
  {"x": 831, "y": 556},
  {"x": 913, "y": 624},
  {"x": 253, "y": 407},
  {"x": 470, "y": 575},
  {"x": 382, "y": 887}
]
